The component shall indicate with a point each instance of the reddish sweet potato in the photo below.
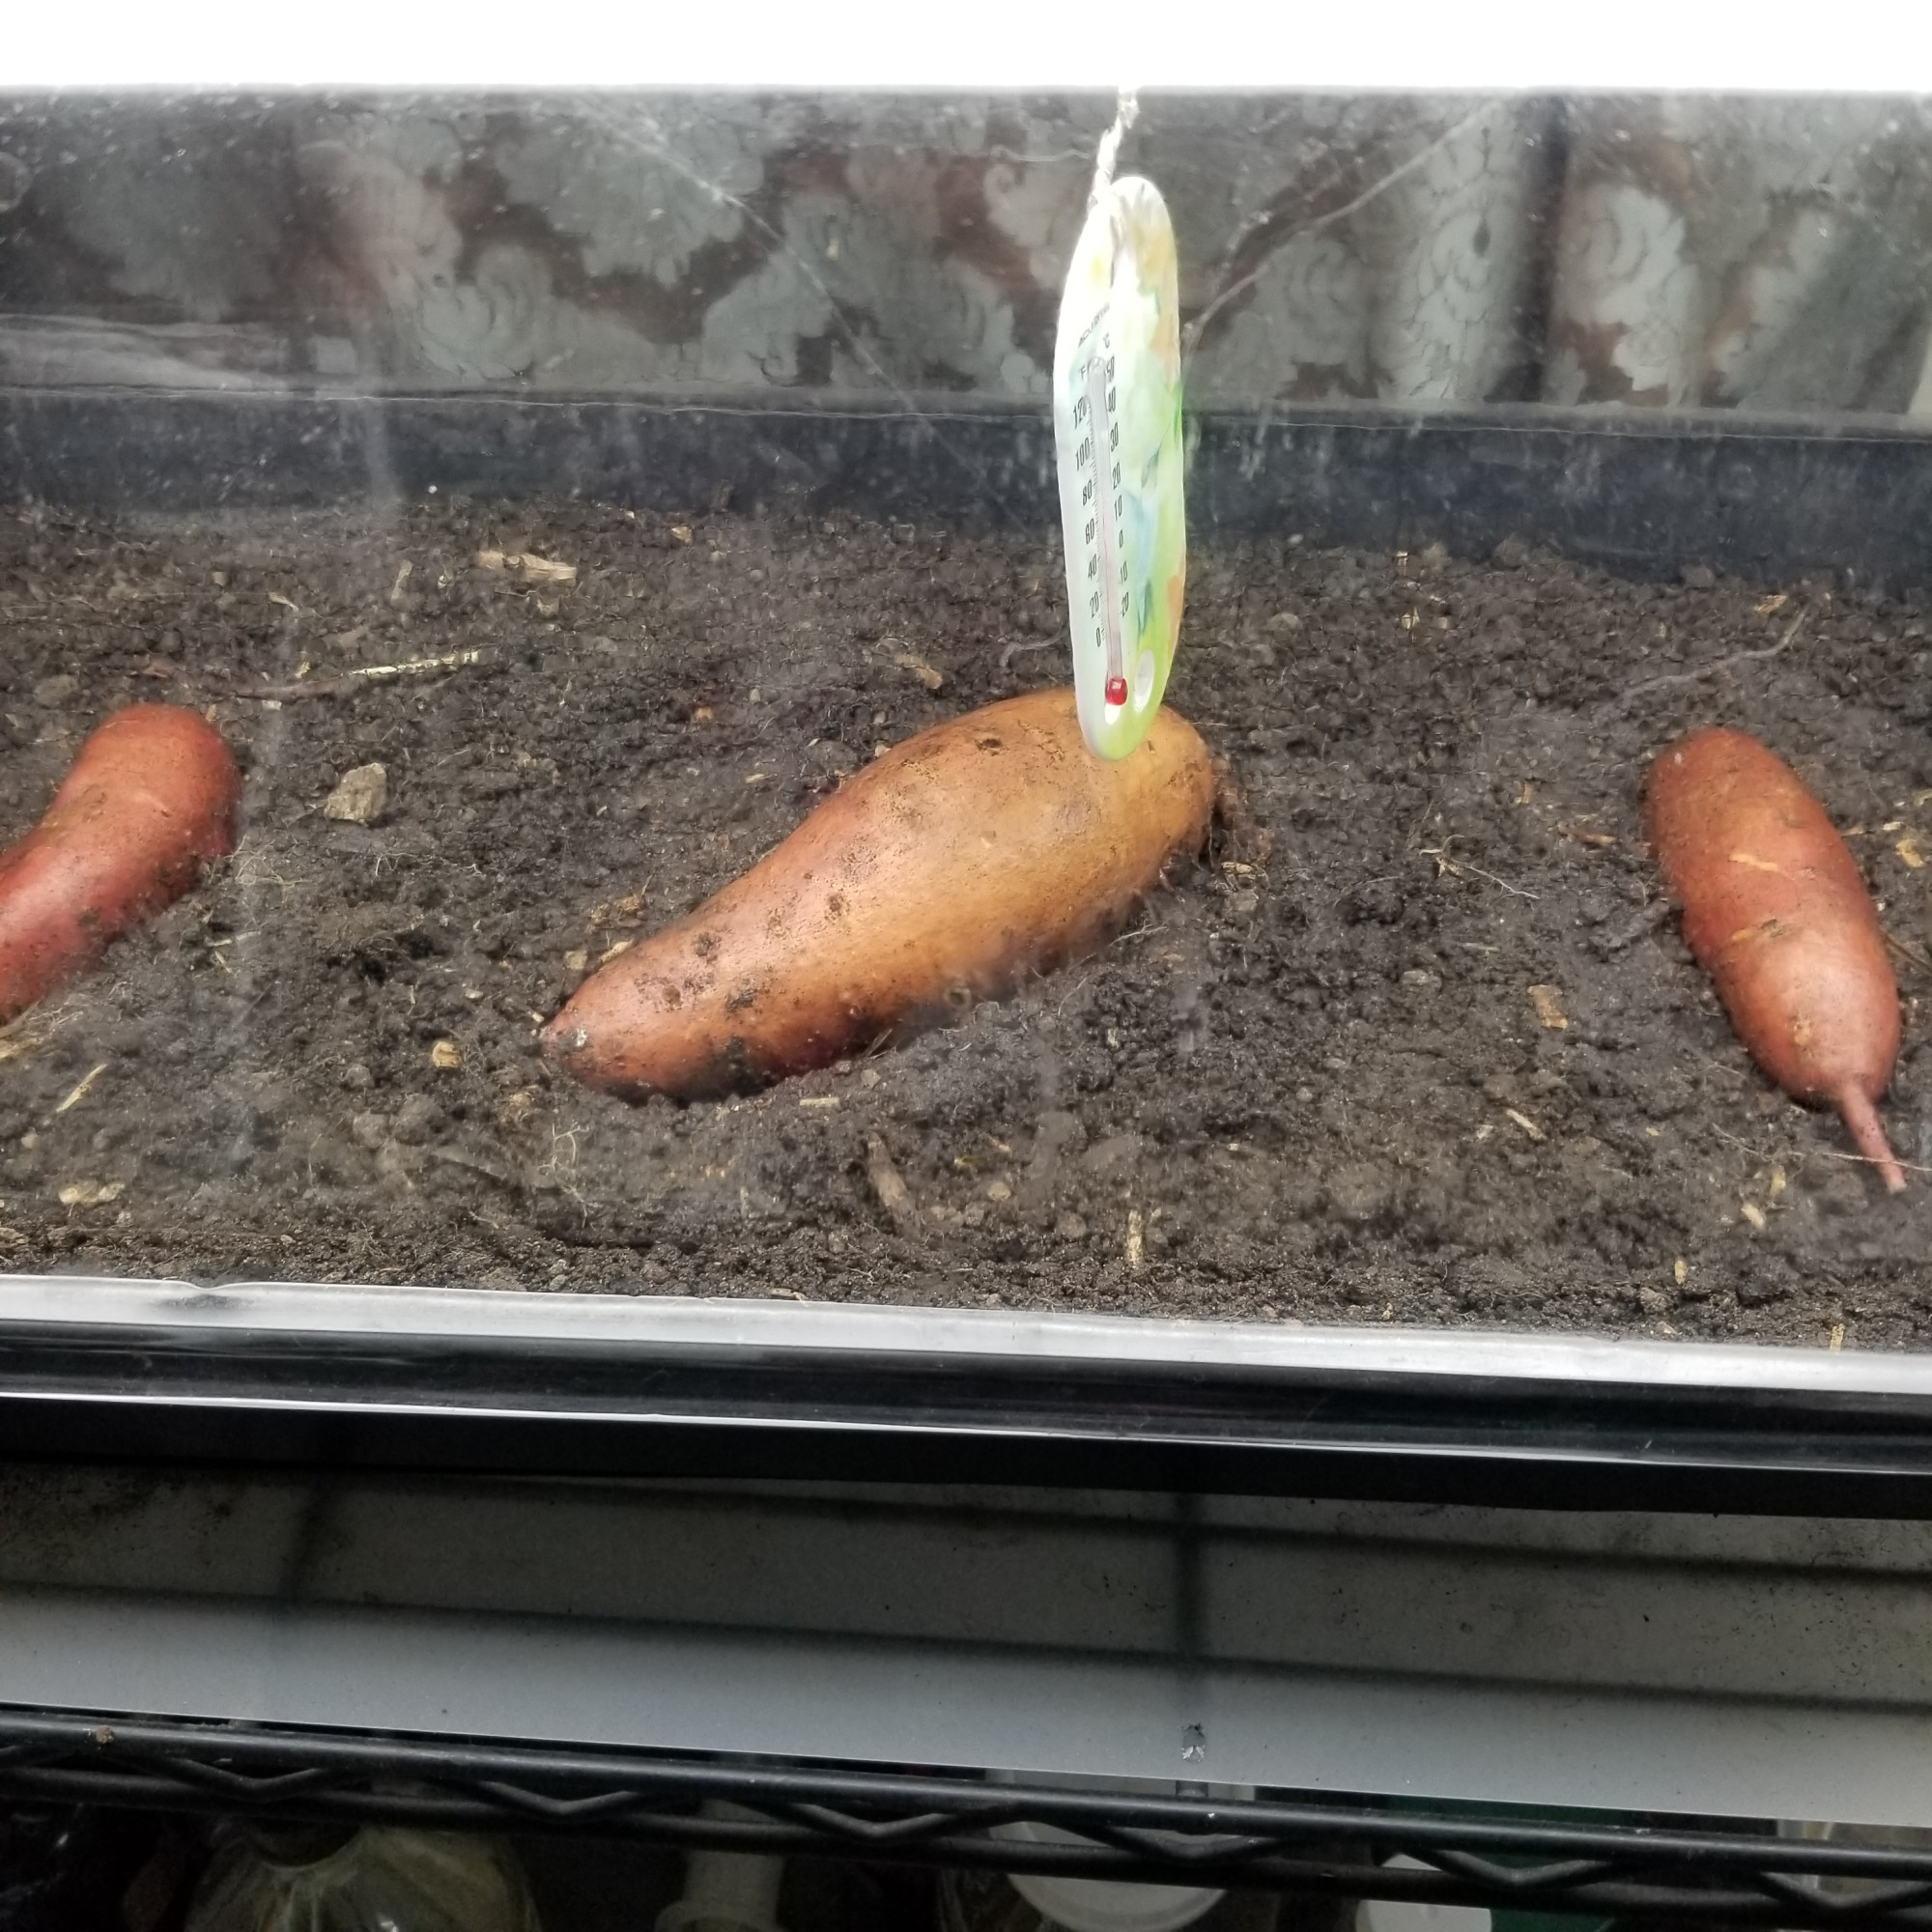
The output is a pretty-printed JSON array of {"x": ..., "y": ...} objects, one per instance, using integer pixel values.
[
  {"x": 1776, "y": 911},
  {"x": 149, "y": 798},
  {"x": 987, "y": 848}
]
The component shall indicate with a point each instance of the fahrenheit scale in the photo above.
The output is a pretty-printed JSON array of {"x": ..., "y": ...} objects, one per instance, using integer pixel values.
[{"x": 1096, "y": 461}]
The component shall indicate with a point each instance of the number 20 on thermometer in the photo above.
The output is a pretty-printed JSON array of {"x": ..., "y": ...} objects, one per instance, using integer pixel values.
[{"x": 1116, "y": 434}]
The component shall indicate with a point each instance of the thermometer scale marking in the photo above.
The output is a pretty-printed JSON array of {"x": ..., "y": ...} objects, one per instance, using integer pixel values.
[
  {"x": 1107, "y": 602},
  {"x": 1117, "y": 459}
]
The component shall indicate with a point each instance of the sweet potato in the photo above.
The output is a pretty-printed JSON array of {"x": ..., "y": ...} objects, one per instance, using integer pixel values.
[
  {"x": 1776, "y": 911},
  {"x": 149, "y": 798},
  {"x": 987, "y": 848}
]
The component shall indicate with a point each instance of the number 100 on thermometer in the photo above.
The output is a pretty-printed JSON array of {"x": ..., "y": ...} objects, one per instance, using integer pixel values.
[{"x": 1116, "y": 434}]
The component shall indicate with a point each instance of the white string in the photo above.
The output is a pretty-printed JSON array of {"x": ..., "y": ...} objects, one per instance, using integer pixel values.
[{"x": 1126, "y": 114}]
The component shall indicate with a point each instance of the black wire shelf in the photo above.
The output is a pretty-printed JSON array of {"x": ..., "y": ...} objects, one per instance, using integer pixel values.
[{"x": 1738, "y": 1873}]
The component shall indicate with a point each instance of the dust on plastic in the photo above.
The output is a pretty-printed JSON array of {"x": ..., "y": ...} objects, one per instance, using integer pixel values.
[{"x": 553, "y": 501}]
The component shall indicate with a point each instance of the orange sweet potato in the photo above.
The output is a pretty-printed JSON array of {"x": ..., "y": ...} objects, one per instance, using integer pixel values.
[
  {"x": 149, "y": 798},
  {"x": 989, "y": 847},
  {"x": 1776, "y": 911}
]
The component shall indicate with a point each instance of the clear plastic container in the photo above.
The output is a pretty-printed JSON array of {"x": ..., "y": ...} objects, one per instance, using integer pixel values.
[
  {"x": 378, "y": 1880},
  {"x": 727, "y": 1891},
  {"x": 984, "y": 1902}
]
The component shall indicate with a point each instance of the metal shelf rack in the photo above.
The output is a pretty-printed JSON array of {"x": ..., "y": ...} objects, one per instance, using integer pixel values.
[{"x": 1566, "y": 1622}]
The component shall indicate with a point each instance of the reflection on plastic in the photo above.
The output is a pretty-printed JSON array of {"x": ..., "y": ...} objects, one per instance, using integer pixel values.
[
  {"x": 979, "y": 1901},
  {"x": 374, "y": 1881}
]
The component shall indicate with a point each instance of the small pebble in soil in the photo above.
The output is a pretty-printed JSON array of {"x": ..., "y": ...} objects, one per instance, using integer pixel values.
[{"x": 360, "y": 796}]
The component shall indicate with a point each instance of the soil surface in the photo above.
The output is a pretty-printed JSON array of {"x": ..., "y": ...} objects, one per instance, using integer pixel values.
[{"x": 1417, "y": 1042}]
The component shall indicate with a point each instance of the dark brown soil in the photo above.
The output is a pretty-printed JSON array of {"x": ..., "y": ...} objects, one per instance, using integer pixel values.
[{"x": 1320, "y": 1088}]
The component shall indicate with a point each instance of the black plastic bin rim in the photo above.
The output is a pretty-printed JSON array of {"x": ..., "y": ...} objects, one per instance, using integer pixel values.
[
  {"x": 282, "y": 1373},
  {"x": 1639, "y": 491}
]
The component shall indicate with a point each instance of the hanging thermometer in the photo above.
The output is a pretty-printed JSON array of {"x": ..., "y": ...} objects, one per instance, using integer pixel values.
[{"x": 1117, "y": 441}]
